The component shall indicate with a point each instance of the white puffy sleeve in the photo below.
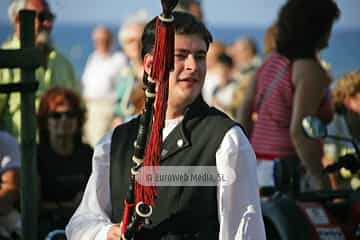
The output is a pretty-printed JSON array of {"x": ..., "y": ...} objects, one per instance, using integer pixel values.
[{"x": 239, "y": 202}]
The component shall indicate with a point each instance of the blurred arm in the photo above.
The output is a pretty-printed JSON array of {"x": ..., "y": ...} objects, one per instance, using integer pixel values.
[{"x": 311, "y": 84}]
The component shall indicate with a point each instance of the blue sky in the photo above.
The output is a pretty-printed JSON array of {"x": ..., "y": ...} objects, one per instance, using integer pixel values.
[{"x": 217, "y": 12}]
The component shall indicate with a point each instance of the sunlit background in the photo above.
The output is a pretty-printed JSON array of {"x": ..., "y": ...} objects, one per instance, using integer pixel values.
[{"x": 227, "y": 19}]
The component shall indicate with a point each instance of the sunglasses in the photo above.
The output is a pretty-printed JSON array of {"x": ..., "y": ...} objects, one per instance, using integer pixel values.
[
  {"x": 58, "y": 115},
  {"x": 45, "y": 15}
]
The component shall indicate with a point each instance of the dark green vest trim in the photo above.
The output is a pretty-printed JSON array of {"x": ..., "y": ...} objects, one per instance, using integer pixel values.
[{"x": 179, "y": 211}]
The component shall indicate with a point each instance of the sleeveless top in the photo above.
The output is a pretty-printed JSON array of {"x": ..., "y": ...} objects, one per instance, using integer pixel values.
[{"x": 271, "y": 132}]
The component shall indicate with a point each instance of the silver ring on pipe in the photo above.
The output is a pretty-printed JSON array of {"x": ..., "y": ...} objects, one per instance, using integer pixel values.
[
  {"x": 151, "y": 80},
  {"x": 134, "y": 171},
  {"x": 143, "y": 214},
  {"x": 149, "y": 94},
  {"x": 138, "y": 161},
  {"x": 163, "y": 19}
]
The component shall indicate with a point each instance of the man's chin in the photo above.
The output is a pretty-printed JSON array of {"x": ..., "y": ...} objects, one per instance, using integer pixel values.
[
  {"x": 189, "y": 99},
  {"x": 43, "y": 39}
]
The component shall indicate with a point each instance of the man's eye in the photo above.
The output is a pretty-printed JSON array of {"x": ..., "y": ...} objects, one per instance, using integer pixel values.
[
  {"x": 200, "y": 57},
  {"x": 180, "y": 56}
]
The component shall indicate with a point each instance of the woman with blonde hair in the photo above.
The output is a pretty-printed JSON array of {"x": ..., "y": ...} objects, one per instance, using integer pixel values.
[
  {"x": 346, "y": 94},
  {"x": 346, "y": 123}
]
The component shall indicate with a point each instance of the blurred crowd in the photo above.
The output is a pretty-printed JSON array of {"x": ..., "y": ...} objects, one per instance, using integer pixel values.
[{"x": 268, "y": 92}]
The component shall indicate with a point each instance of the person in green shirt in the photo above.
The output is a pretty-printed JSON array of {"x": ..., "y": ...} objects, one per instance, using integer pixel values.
[{"x": 55, "y": 69}]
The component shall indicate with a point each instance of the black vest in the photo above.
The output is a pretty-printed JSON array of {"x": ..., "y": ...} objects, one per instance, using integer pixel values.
[{"x": 180, "y": 212}]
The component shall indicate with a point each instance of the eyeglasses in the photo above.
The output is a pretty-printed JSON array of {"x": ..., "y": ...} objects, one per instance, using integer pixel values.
[
  {"x": 45, "y": 15},
  {"x": 58, "y": 115}
]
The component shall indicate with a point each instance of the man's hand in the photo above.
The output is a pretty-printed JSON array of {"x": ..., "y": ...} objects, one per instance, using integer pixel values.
[{"x": 114, "y": 232}]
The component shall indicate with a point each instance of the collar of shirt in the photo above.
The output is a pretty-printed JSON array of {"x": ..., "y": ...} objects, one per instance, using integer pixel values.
[{"x": 170, "y": 124}]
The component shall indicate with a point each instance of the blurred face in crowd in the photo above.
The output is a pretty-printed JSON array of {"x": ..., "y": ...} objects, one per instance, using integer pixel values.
[
  {"x": 43, "y": 21},
  {"x": 131, "y": 42},
  {"x": 102, "y": 38},
  {"x": 195, "y": 10},
  {"x": 241, "y": 53},
  {"x": 187, "y": 78},
  {"x": 62, "y": 121}
]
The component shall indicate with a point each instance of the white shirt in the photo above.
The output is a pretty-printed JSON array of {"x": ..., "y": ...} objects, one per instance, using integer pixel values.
[
  {"x": 100, "y": 75},
  {"x": 238, "y": 204}
]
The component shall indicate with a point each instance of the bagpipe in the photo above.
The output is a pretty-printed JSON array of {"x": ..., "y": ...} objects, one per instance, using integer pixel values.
[{"x": 140, "y": 198}]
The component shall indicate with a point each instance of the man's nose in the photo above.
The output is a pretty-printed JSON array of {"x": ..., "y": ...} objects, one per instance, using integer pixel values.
[{"x": 190, "y": 63}]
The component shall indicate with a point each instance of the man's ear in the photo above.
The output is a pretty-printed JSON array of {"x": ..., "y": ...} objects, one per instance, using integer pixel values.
[{"x": 148, "y": 59}]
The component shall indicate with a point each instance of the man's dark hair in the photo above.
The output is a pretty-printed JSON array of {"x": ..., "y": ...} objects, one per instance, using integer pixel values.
[
  {"x": 185, "y": 24},
  {"x": 303, "y": 26}
]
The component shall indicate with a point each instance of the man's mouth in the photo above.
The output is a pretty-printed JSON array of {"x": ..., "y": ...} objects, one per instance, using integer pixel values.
[{"x": 189, "y": 80}]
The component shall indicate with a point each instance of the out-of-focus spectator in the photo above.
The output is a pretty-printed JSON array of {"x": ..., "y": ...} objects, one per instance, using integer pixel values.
[
  {"x": 246, "y": 59},
  {"x": 55, "y": 69},
  {"x": 191, "y": 6},
  {"x": 346, "y": 123},
  {"x": 99, "y": 83},
  {"x": 216, "y": 48},
  {"x": 10, "y": 220},
  {"x": 64, "y": 161},
  {"x": 290, "y": 85},
  {"x": 244, "y": 52},
  {"x": 224, "y": 91},
  {"x": 129, "y": 90}
]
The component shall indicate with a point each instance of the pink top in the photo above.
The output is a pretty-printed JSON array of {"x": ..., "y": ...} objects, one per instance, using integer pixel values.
[{"x": 271, "y": 132}]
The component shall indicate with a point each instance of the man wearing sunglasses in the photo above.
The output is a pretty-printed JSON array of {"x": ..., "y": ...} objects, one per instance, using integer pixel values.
[{"x": 55, "y": 69}]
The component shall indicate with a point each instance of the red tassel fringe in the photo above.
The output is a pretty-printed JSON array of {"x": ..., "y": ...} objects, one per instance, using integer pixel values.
[{"x": 163, "y": 62}]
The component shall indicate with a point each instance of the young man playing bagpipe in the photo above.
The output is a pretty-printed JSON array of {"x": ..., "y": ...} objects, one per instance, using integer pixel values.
[{"x": 195, "y": 137}]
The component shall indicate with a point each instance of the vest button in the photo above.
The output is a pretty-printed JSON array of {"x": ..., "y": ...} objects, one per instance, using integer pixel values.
[{"x": 180, "y": 143}]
